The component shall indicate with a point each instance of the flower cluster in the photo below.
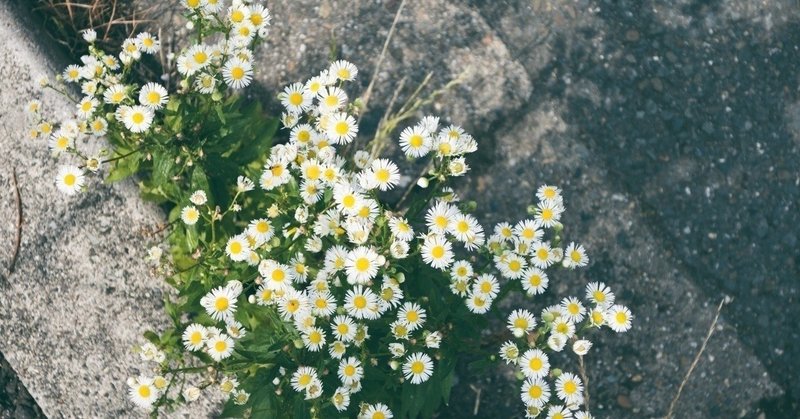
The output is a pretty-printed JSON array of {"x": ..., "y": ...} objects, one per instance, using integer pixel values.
[
  {"x": 304, "y": 285},
  {"x": 113, "y": 104}
]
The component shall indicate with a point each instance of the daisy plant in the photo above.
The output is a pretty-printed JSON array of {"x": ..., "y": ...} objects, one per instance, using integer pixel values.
[{"x": 304, "y": 287}]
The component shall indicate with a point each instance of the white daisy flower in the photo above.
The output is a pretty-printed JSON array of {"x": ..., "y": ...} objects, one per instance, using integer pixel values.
[
  {"x": 563, "y": 326},
  {"x": 573, "y": 310},
  {"x": 401, "y": 229},
  {"x": 115, "y": 94},
  {"x": 219, "y": 347},
  {"x": 543, "y": 255},
  {"x": 559, "y": 412},
  {"x": 437, "y": 252},
  {"x": 341, "y": 128},
  {"x": 350, "y": 371},
  {"x": 314, "y": 389},
  {"x": 153, "y": 95},
  {"x": 433, "y": 340},
  {"x": 548, "y": 213},
  {"x": 619, "y": 318},
  {"x": 314, "y": 339},
  {"x": 383, "y": 174},
  {"x": 521, "y": 322},
  {"x": 575, "y": 256},
  {"x": 440, "y": 217},
  {"x": 238, "y": 248},
  {"x": 337, "y": 349},
  {"x": 461, "y": 270},
  {"x": 361, "y": 265},
  {"x": 486, "y": 285},
  {"x": 148, "y": 43},
  {"x": 143, "y": 392},
  {"x": 556, "y": 342},
  {"x": 528, "y": 231},
  {"x": 399, "y": 329},
  {"x": 190, "y": 215},
  {"x": 581, "y": 347},
  {"x": 194, "y": 337},
  {"x": 479, "y": 303},
  {"x": 415, "y": 142},
  {"x": 69, "y": 180},
  {"x": 303, "y": 377},
  {"x": 458, "y": 166},
  {"x": 535, "y": 392},
  {"x": 295, "y": 98},
  {"x": 548, "y": 193},
  {"x": 418, "y": 368},
  {"x": 569, "y": 388},
  {"x": 390, "y": 295},
  {"x": 376, "y": 411},
  {"x": 261, "y": 229},
  {"x": 237, "y": 73},
  {"x": 293, "y": 304},
  {"x": 238, "y": 12},
  {"x": 361, "y": 303},
  {"x": 331, "y": 99},
  {"x": 510, "y": 265},
  {"x": 509, "y": 352},
  {"x": 277, "y": 276},
  {"x": 412, "y": 314},
  {"x": 99, "y": 126},
  {"x": 534, "y": 281},
  {"x": 72, "y": 73},
  {"x": 323, "y": 304},
  {"x": 220, "y": 303},
  {"x": 534, "y": 363},
  {"x": 86, "y": 107},
  {"x": 136, "y": 118},
  {"x": 343, "y": 70},
  {"x": 341, "y": 399},
  {"x": 343, "y": 328},
  {"x": 599, "y": 294}
]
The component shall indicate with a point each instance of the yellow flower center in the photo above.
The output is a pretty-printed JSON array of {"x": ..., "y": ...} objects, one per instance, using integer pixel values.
[
  {"x": 547, "y": 214},
  {"x": 69, "y": 179},
  {"x": 514, "y": 266},
  {"x": 462, "y": 226},
  {"x": 343, "y": 328},
  {"x": 62, "y": 142},
  {"x": 192, "y": 3},
  {"x": 256, "y": 19},
  {"x": 196, "y": 338},
  {"x": 315, "y": 337},
  {"x": 221, "y": 304},
  {"x": 117, "y": 97},
  {"x": 349, "y": 370},
  {"x": 535, "y": 364},
  {"x": 521, "y": 323},
  {"x": 236, "y": 248},
  {"x": 304, "y": 380},
  {"x": 295, "y": 99},
  {"x": 621, "y": 317},
  {"x": 343, "y": 73},
  {"x": 412, "y": 316},
  {"x": 549, "y": 193},
  {"x": 86, "y": 106},
  {"x": 262, "y": 227},
  {"x": 486, "y": 287},
  {"x": 153, "y": 98},
  {"x": 416, "y": 141},
  {"x": 277, "y": 170},
  {"x": 237, "y": 16},
  {"x": 360, "y": 302},
  {"x": 278, "y": 275},
  {"x": 573, "y": 308},
  {"x": 313, "y": 172},
  {"x": 331, "y": 101},
  {"x": 342, "y": 128},
  {"x": 303, "y": 136},
  {"x": 570, "y": 387},
  {"x": 378, "y": 415},
  {"x": 535, "y": 280},
  {"x": 417, "y": 367},
  {"x": 237, "y": 73},
  {"x": 220, "y": 346},
  {"x": 144, "y": 391},
  {"x": 575, "y": 256},
  {"x": 348, "y": 201},
  {"x": 542, "y": 254},
  {"x": 535, "y": 392},
  {"x": 362, "y": 264},
  {"x": 137, "y": 117},
  {"x": 382, "y": 175},
  {"x": 437, "y": 252}
]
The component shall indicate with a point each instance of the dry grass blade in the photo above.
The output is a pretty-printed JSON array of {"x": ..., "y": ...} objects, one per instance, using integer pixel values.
[
  {"x": 18, "y": 235},
  {"x": 696, "y": 361}
]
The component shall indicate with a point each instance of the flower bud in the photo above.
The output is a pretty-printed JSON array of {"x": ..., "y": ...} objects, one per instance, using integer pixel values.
[{"x": 422, "y": 182}]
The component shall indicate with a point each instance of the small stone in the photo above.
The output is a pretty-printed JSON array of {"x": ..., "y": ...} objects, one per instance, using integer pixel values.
[{"x": 624, "y": 401}]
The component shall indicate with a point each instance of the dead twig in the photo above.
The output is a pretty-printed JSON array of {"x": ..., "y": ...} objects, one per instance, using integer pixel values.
[
  {"x": 711, "y": 329},
  {"x": 379, "y": 61},
  {"x": 18, "y": 236},
  {"x": 477, "y": 406},
  {"x": 585, "y": 378}
]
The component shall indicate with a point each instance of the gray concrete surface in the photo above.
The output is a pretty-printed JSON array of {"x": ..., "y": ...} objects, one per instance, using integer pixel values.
[{"x": 81, "y": 295}]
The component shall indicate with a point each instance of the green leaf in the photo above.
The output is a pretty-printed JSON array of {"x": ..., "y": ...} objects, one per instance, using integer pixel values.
[
  {"x": 123, "y": 168},
  {"x": 163, "y": 164},
  {"x": 256, "y": 147}
]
